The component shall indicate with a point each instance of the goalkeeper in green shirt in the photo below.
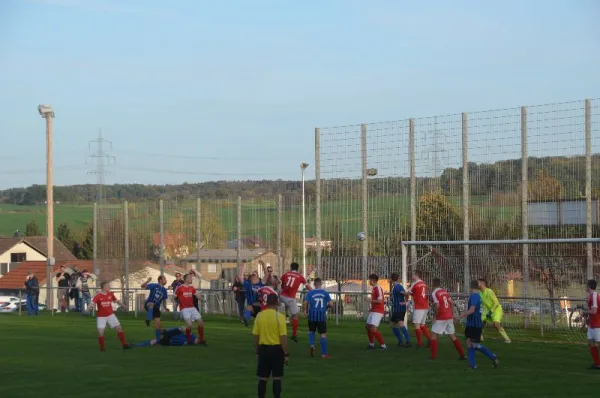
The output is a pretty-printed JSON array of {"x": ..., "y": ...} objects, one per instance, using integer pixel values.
[{"x": 492, "y": 310}]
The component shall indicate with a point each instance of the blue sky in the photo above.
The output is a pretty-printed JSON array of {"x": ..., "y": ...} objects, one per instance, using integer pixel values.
[{"x": 240, "y": 85}]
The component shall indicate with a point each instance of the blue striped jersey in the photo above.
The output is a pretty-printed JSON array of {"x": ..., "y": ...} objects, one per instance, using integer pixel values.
[
  {"x": 318, "y": 301},
  {"x": 180, "y": 339},
  {"x": 474, "y": 320},
  {"x": 398, "y": 298},
  {"x": 158, "y": 293},
  {"x": 252, "y": 292}
]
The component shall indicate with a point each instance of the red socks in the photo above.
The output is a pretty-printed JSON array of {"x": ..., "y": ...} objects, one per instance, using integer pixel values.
[
  {"x": 101, "y": 342},
  {"x": 433, "y": 345},
  {"x": 294, "y": 326},
  {"x": 379, "y": 337},
  {"x": 188, "y": 335},
  {"x": 201, "y": 332},
  {"x": 426, "y": 332},
  {"x": 419, "y": 334},
  {"x": 595, "y": 355},
  {"x": 371, "y": 336},
  {"x": 121, "y": 336},
  {"x": 459, "y": 348}
]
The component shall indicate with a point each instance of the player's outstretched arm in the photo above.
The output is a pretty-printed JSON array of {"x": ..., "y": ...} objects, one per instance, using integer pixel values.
[
  {"x": 145, "y": 284},
  {"x": 495, "y": 302},
  {"x": 466, "y": 313}
]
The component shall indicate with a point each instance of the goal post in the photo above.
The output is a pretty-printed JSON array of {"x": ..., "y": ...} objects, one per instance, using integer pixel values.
[{"x": 541, "y": 289}]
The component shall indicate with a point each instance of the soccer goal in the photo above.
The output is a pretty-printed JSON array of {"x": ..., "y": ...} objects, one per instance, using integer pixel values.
[{"x": 540, "y": 283}]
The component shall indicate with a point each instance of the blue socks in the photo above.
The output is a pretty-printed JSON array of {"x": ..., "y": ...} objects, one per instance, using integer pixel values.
[
  {"x": 485, "y": 351},
  {"x": 405, "y": 333},
  {"x": 323, "y": 345},
  {"x": 149, "y": 314},
  {"x": 157, "y": 334},
  {"x": 144, "y": 344},
  {"x": 471, "y": 356},
  {"x": 396, "y": 332},
  {"x": 247, "y": 315},
  {"x": 311, "y": 338}
]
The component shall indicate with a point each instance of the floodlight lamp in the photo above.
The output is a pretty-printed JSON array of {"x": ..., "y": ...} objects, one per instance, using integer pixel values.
[
  {"x": 371, "y": 172},
  {"x": 303, "y": 166},
  {"x": 46, "y": 111}
]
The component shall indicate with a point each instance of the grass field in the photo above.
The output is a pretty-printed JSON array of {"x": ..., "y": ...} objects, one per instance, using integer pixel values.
[{"x": 58, "y": 357}]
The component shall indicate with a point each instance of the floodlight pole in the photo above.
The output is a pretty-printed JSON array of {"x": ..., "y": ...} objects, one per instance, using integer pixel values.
[
  {"x": 303, "y": 167},
  {"x": 47, "y": 113}
]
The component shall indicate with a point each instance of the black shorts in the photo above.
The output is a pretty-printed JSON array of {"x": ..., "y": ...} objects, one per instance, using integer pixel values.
[
  {"x": 271, "y": 360},
  {"x": 473, "y": 333},
  {"x": 319, "y": 327},
  {"x": 155, "y": 310},
  {"x": 398, "y": 316},
  {"x": 255, "y": 310}
]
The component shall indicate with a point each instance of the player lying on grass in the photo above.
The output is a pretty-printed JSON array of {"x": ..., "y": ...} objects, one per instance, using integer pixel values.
[
  {"x": 377, "y": 301},
  {"x": 398, "y": 298},
  {"x": 104, "y": 315},
  {"x": 492, "y": 309},
  {"x": 316, "y": 303},
  {"x": 418, "y": 290},
  {"x": 593, "y": 321},
  {"x": 290, "y": 283},
  {"x": 158, "y": 295},
  {"x": 172, "y": 336},
  {"x": 185, "y": 296},
  {"x": 444, "y": 322},
  {"x": 474, "y": 326}
]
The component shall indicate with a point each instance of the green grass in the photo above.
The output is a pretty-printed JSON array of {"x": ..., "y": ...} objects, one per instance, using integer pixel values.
[
  {"x": 58, "y": 356},
  {"x": 13, "y": 217}
]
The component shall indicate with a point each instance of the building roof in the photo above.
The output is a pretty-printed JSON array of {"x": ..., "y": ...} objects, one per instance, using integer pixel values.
[
  {"x": 16, "y": 277},
  {"x": 39, "y": 243},
  {"x": 226, "y": 255}
]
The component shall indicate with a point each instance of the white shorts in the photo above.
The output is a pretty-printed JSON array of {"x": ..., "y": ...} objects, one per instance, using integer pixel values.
[
  {"x": 420, "y": 316},
  {"x": 593, "y": 334},
  {"x": 443, "y": 327},
  {"x": 374, "y": 318},
  {"x": 191, "y": 315},
  {"x": 290, "y": 304},
  {"x": 112, "y": 321}
]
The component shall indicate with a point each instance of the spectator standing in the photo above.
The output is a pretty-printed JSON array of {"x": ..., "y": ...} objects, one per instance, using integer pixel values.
[
  {"x": 176, "y": 283},
  {"x": 32, "y": 286},
  {"x": 64, "y": 281},
  {"x": 74, "y": 292},
  {"x": 239, "y": 295},
  {"x": 83, "y": 288}
]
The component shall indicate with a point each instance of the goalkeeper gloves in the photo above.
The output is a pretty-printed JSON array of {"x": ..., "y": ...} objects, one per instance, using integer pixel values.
[{"x": 488, "y": 316}]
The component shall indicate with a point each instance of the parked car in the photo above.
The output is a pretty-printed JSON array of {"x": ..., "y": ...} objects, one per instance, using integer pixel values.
[
  {"x": 8, "y": 299},
  {"x": 14, "y": 307}
]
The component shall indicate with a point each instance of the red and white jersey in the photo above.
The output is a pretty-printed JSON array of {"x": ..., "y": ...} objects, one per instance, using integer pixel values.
[
  {"x": 444, "y": 302},
  {"x": 377, "y": 294},
  {"x": 419, "y": 293},
  {"x": 103, "y": 302},
  {"x": 263, "y": 293},
  {"x": 290, "y": 282},
  {"x": 185, "y": 295},
  {"x": 594, "y": 302}
]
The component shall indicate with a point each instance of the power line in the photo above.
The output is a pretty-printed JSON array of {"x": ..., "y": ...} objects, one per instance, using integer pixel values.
[
  {"x": 77, "y": 167},
  {"x": 171, "y": 156},
  {"x": 101, "y": 159},
  {"x": 164, "y": 171}
]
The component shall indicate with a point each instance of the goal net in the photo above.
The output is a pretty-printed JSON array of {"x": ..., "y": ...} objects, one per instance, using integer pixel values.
[{"x": 540, "y": 284}]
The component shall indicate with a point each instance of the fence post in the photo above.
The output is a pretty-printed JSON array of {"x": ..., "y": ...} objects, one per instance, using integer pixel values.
[
  {"x": 126, "y": 259},
  {"x": 318, "y": 199},
  {"x": 20, "y": 302},
  {"x": 588, "y": 188},
  {"x": 161, "y": 221},
  {"x": 542, "y": 317},
  {"x": 365, "y": 204},
  {"x": 95, "y": 239},
  {"x": 279, "y": 233},
  {"x": 466, "y": 193},
  {"x": 524, "y": 208},
  {"x": 198, "y": 232},
  {"x": 239, "y": 234},
  {"x": 413, "y": 189}
]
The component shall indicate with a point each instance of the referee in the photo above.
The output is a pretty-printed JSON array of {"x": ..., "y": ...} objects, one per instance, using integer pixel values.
[{"x": 270, "y": 345}]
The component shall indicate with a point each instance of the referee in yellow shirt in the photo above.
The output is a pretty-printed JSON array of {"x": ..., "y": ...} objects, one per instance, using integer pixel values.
[{"x": 270, "y": 343}]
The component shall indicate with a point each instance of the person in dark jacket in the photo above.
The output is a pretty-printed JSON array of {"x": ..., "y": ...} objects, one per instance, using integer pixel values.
[
  {"x": 64, "y": 281},
  {"x": 240, "y": 296},
  {"x": 32, "y": 287},
  {"x": 176, "y": 283}
]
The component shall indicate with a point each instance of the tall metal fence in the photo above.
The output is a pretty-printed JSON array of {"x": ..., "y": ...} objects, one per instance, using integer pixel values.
[{"x": 529, "y": 172}]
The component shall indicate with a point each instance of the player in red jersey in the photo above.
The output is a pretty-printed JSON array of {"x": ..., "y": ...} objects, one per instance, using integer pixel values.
[
  {"x": 104, "y": 315},
  {"x": 185, "y": 296},
  {"x": 377, "y": 301},
  {"x": 444, "y": 320},
  {"x": 265, "y": 291},
  {"x": 593, "y": 313},
  {"x": 418, "y": 290},
  {"x": 290, "y": 282}
]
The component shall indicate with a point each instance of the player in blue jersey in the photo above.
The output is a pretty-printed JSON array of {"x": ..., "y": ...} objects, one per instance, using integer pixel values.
[
  {"x": 251, "y": 287},
  {"x": 157, "y": 297},
  {"x": 398, "y": 310},
  {"x": 474, "y": 327},
  {"x": 316, "y": 303},
  {"x": 172, "y": 336}
]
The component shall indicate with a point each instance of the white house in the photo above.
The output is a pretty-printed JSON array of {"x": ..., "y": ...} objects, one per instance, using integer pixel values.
[{"x": 14, "y": 251}]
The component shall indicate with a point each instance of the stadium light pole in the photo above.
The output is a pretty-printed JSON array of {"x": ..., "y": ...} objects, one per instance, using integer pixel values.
[
  {"x": 47, "y": 113},
  {"x": 303, "y": 167}
]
